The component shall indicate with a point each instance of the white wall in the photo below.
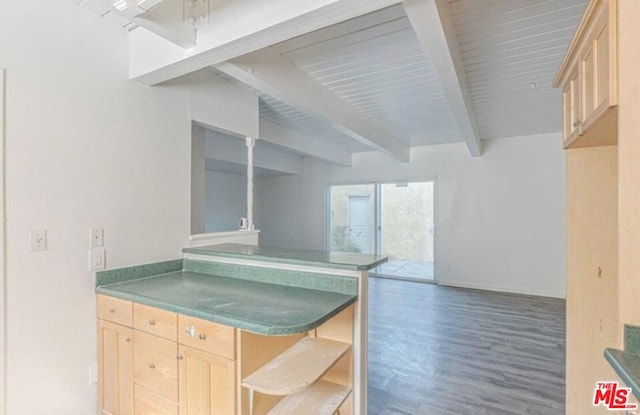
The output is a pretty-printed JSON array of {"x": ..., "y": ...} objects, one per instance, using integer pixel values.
[
  {"x": 290, "y": 210},
  {"x": 500, "y": 218},
  {"x": 226, "y": 201},
  {"x": 85, "y": 148}
]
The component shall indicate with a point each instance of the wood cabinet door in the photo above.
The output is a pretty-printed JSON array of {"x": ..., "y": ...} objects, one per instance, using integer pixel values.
[
  {"x": 115, "y": 368},
  {"x": 587, "y": 81},
  {"x": 571, "y": 109},
  {"x": 207, "y": 383}
]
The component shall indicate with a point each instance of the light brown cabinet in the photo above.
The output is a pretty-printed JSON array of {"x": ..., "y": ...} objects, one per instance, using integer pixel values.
[
  {"x": 115, "y": 367},
  {"x": 588, "y": 78},
  {"x": 207, "y": 383},
  {"x": 146, "y": 367}
]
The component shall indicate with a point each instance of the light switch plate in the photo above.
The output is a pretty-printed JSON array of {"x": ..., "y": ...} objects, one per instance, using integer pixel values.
[
  {"x": 38, "y": 240},
  {"x": 96, "y": 237}
]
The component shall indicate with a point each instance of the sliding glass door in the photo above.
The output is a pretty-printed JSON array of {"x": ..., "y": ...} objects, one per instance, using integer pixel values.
[
  {"x": 352, "y": 218},
  {"x": 391, "y": 219}
]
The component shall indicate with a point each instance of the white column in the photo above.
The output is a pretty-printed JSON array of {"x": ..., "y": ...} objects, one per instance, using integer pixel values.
[{"x": 251, "y": 142}]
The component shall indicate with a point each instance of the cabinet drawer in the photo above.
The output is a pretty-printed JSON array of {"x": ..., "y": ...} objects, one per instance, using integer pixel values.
[
  {"x": 207, "y": 336},
  {"x": 149, "y": 403},
  {"x": 115, "y": 310},
  {"x": 155, "y": 321},
  {"x": 155, "y": 364}
]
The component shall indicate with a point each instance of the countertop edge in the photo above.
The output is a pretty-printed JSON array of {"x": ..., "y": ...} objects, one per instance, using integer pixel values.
[
  {"x": 282, "y": 260},
  {"x": 252, "y": 326},
  {"x": 616, "y": 359}
]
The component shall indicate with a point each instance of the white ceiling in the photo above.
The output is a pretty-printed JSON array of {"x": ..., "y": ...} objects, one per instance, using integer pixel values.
[
  {"x": 506, "y": 45},
  {"x": 509, "y": 51},
  {"x": 375, "y": 63}
]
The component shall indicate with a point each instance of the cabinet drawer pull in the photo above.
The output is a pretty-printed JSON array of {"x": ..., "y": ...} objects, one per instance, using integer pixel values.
[
  {"x": 191, "y": 331},
  {"x": 152, "y": 366},
  {"x": 202, "y": 336},
  {"x": 152, "y": 322}
]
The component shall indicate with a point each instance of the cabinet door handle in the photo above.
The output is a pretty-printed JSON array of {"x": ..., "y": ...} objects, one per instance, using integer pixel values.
[
  {"x": 152, "y": 322},
  {"x": 202, "y": 336},
  {"x": 191, "y": 331}
]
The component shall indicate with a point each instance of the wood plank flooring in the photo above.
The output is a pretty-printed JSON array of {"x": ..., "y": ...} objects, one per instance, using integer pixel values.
[{"x": 447, "y": 351}]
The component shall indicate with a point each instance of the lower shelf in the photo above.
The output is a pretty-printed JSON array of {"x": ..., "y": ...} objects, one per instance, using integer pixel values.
[
  {"x": 323, "y": 398},
  {"x": 297, "y": 368}
]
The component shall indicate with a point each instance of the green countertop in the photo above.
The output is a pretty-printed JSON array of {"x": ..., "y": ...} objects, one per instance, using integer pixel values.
[
  {"x": 262, "y": 308},
  {"x": 325, "y": 259},
  {"x": 627, "y": 366}
]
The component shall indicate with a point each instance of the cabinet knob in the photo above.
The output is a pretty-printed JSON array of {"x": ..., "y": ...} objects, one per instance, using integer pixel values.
[
  {"x": 191, "y": 331},
  {"x": 152, "y": 322},
  {"x": 577, "y": 123},
  {"x": 202, "y": 336},
  {"x": 180, "y": 356},
  {"x": 112, "y": 311},
  {"x": 152, "y": 366},
  {"x": 128, "y": 340}
]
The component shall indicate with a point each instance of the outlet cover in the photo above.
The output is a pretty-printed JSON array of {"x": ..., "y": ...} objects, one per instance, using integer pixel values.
[{"x": 97, "y": 259}]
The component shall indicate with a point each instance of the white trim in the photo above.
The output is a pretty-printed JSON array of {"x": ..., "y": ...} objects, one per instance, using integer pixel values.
[
  {"x": 495, "y": 288},
  {"x": 361, "y": 346},
  {"x": 251, "y": 143},
  {"x": 242, "y": 237},
  {"x": 274, "y": 265},
  {"x": 386, "y": 180},
  {"x": 3, "y": 245}
]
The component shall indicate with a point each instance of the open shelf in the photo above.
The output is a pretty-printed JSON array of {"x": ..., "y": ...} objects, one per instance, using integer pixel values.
[
  {"x": 297, "y": 368},
  {"x": 323, "y": 398}
]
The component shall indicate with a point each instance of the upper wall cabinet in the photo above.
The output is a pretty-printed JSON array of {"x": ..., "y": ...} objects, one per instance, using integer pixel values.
[{"x": 588, "y": 78}]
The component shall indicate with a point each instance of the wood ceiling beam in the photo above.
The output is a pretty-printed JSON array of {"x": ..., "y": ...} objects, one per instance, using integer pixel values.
[
  {"x": 270, "y": 73},
  {"x": 433, "y": 26},
  {"x": 303, "y": 145},
  {"x": 236, "y": 28}
]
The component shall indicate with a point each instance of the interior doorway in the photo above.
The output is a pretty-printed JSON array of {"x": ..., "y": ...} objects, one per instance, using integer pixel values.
[{"x": 396, "y": 220}]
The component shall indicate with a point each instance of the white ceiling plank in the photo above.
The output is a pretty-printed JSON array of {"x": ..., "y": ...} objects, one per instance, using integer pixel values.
[
  {"x": 273, "y": 75},
  {"x": 237, "y": 28},
  {"x": 303, "y": 145},
  {"x": 431, "y": 21}
]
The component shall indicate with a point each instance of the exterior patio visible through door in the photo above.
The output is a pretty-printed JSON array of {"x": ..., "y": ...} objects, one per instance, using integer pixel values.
[{"x": 392, "y": 219}]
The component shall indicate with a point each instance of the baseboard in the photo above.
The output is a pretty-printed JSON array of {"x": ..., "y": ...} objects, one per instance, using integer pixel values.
[{"x": 486, "y": 287}]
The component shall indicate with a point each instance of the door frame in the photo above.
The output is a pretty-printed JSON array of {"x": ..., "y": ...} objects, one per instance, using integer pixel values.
[
  {"x": 3, "y": 246},
  {"x": 387, "y": 180}
]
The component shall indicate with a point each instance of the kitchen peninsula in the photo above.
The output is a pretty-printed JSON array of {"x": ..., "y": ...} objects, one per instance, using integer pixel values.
[{"x": 235, "y": 329}]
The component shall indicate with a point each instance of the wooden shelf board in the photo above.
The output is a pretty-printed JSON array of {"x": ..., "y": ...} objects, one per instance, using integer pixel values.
[
  {"x": 298, "y": 367},
  {"x": 323, "y": 398}
]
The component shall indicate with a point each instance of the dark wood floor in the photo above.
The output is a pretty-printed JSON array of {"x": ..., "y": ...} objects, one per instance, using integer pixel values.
[{"x": 447, "y": 351}]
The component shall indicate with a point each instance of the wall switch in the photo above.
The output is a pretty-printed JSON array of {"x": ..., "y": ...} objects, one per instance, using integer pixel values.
[
  {"x": 38, "y": 240},
  {"x": 96, "y": 237},
  {"x": 97, "y": 259}
]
